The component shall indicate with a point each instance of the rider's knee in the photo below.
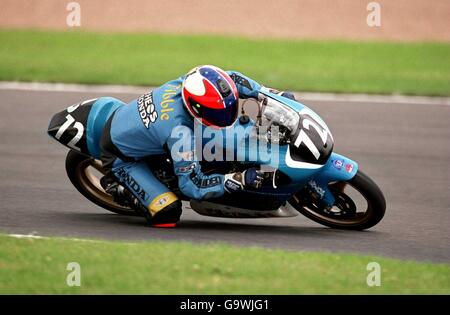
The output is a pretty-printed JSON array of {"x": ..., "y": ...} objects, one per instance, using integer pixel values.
[{"x": 164, "y": 209}]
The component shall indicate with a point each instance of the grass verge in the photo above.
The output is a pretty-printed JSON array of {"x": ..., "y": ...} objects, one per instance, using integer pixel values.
[
  {"x": 151, "y": 59},
  {"x": 38, "y": 266}
]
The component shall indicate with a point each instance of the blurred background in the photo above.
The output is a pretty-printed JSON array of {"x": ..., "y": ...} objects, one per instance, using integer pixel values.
[{"x": 402, "y": 20}]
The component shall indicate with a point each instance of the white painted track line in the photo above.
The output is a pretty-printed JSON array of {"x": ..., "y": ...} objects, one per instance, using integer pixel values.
[{"x": 326, "y": 97}]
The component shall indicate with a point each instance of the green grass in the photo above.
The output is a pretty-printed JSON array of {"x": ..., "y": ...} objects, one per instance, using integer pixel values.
[
  {"x": 30, "y": 266},
  {"x": 151, "y": 59}
]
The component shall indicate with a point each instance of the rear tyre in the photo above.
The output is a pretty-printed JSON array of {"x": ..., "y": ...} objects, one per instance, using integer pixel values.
[
  {"x": 346, "y": 214},
  {"x": 85, "y": 172}
]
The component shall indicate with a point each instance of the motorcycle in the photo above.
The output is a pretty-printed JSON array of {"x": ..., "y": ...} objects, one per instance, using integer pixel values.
[{"x": 307, "y": 177}]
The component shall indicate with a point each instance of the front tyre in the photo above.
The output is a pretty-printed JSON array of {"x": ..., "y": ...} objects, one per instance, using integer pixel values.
[
  {"x": 85, "y": 172},
  {"x": 347, "y": 212}
]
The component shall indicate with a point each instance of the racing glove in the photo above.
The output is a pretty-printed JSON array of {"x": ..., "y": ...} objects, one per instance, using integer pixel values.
[
  {"x": 283, "y": 93},
  {"x": 238, "y": 181}
]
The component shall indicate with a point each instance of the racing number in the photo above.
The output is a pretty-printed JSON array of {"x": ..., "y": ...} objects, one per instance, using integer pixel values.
[
  {"x": 304, "y": 138},
  {"x": 78, "y": 126}
]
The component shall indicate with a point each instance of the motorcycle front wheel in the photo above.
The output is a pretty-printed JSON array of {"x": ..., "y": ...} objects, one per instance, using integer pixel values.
[{"x": 359, "y": 204}]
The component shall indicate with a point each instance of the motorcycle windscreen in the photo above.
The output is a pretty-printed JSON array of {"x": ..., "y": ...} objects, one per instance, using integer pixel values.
[{"x": 223, "y": 117}]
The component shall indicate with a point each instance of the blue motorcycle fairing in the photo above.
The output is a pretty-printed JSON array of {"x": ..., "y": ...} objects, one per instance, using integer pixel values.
[{"x": 337, "y": 168}]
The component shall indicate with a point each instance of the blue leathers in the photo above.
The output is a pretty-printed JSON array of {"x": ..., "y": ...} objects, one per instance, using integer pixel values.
[{"x": 157, "y": 122}]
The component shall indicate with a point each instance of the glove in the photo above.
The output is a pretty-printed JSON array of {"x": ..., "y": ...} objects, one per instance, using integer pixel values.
[
  {"x": 238, "y": 181},
  {"x": 286, "y": 94}
]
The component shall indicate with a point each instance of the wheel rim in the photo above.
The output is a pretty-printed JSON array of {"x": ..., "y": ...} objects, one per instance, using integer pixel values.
[
  {"x": 347, "y": 216},
  {"x": 91, "y": 182}
]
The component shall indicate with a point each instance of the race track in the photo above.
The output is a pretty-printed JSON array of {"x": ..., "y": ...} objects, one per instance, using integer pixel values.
[{"x": 405, "y": 148}]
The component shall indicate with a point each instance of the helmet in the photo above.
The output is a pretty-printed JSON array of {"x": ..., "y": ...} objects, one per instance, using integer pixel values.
[{"x": 211, "y": 96}]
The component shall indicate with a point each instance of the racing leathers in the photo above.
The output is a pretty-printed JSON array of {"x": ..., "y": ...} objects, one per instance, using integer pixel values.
[{"x": 154, "y": 124}]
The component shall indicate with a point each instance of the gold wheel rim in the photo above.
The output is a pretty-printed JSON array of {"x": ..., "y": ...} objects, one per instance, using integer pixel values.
[{"x": 91, "y": 183}]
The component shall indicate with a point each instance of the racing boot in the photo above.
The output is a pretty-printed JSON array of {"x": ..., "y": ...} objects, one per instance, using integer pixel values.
[{"x": 164, "y": 211}]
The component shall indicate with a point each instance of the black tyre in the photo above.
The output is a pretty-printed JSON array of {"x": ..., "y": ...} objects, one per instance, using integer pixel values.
[
  {"x": 85, "y": 172},
  {"x": 347, "y": 213}
]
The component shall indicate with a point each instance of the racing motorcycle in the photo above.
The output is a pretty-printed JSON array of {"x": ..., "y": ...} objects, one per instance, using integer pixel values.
[{"x": 307, "y": 178}]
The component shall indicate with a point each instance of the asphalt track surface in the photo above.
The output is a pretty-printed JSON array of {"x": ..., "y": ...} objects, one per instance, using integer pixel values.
[{"x": 405, "y": 148}]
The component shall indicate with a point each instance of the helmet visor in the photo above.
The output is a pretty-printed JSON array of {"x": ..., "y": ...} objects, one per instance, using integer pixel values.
[{"x": 222, "y": 117}]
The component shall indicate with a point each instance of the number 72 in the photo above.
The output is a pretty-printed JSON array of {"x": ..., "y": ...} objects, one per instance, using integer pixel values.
[
  {"x": 78, "y": 126},
  {"x": 304, "y": 138}
]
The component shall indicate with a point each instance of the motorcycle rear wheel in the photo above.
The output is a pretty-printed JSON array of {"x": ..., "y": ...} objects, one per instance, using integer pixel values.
[
  {"x": 85, "y": 172},
  {"x": 345, "y": 214}
]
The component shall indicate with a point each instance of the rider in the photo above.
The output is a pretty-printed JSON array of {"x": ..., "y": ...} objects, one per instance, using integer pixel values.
[{"x": 144, "y": 128}]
